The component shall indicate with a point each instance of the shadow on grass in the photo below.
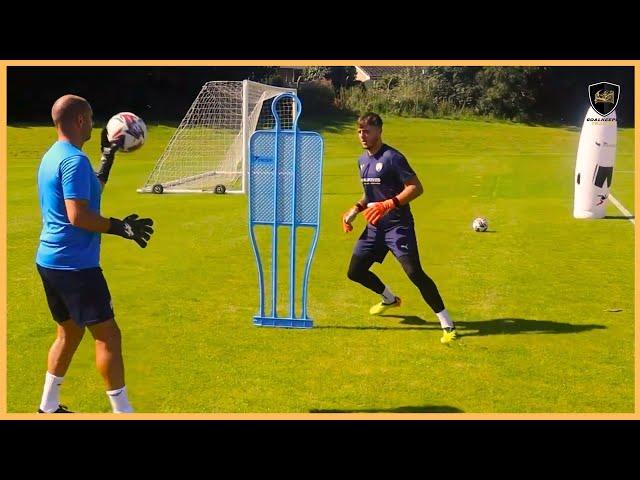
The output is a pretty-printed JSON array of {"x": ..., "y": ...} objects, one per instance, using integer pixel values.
[
  {"x": 619, "y": 217},
  {"x": 404, "y": 409},
  {"x": 335, "y": 122},
  {"x": 481, "y": 328}
]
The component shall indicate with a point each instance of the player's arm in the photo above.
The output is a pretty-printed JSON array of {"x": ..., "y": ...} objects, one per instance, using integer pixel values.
[
  {"x": 350, "y": 215},
  {"x": 131, "y": 228},
  {"x": 76, "y": 179},
  {"x": 81, "y": 216},
  {"x": 107, "y": 156},
  {"x": 412, "y": 190}
]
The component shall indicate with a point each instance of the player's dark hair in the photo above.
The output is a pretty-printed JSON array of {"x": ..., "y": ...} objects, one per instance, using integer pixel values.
[{"x": 370, "y": 119}]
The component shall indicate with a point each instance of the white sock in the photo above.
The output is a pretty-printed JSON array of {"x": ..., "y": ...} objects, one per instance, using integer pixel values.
[
  {"x": 445, "y": 319},
  {"x": 387, "y": 296},
  {"x": 119, "y": 401},
  {"x": 51, "y": 393}
]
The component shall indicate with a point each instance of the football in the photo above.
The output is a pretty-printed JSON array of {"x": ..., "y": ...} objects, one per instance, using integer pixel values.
[
  {"x": 129, "y": 125},
  {"x": 480, "y": 224}
]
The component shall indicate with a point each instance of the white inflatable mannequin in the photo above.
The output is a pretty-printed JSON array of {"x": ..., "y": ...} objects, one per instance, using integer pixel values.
[{"x": 594, "y": 164}]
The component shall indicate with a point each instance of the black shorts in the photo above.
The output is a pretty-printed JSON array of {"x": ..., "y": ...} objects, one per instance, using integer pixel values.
[
  {"x": 400, "y": 239},
  {"x": 80, "y": 295}
]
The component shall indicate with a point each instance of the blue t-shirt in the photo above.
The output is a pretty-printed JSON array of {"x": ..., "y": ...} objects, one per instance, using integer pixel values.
[
  {"x": 383, "y": 175},
  {"x": 65, "y": 173}
]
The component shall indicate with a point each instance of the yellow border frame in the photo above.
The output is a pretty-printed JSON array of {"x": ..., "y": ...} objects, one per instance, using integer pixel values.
[{"x": 306, "y": 416}]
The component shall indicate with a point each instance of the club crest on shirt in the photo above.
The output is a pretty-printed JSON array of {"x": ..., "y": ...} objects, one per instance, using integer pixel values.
[{"x": 378, "y": 166}]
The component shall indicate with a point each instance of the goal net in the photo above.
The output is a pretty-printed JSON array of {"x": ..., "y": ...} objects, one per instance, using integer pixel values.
[{"x": 208, "y": 151}]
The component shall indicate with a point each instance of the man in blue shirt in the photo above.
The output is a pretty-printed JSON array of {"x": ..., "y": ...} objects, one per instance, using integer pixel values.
[
  {"x": 389, "y": 185},
  {"x": 68, "y": 257}
]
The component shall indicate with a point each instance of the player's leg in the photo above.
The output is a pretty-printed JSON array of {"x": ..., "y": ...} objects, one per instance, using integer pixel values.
[
  {"x": 110, "y": 363},
  {"x": 370, "y": 248},
  {"x": 430, "y": 294},
  {"x": 68, "y": 337},
  {"x": 108, "y": 342},
  {"x": 359, "y": 272},
  {"x": 402, "y": 242}
]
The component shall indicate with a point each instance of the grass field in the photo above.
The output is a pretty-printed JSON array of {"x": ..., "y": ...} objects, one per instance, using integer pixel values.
[{"x": 530, "y": 297}]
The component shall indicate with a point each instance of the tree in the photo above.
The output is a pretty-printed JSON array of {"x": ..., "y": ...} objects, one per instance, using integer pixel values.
[
  {"x": 309, "y": 74},
  {"x": 510, "y": 92},
  {"x": 342, "y": 77}
]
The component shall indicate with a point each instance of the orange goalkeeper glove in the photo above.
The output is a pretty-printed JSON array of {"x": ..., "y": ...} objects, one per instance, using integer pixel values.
[{"x": 377, "y": 210}]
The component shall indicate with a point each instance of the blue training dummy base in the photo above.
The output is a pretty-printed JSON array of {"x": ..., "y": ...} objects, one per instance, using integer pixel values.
[{"x": 285, "y": 186}]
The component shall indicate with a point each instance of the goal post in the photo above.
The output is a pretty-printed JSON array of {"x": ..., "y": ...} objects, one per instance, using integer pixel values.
[{"x": 208, "y": 150}]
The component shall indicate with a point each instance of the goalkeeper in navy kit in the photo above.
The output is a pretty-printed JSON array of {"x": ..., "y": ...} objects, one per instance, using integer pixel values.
[{"x": 389, "y": 185}]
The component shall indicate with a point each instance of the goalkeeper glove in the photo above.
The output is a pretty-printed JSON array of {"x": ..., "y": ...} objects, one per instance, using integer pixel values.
[
  {"x": 349, "y": 216},
  {"x": 377, "y": 210},
  {"x": 132, "y": 228},
  {"x": 108, "y": 154}
]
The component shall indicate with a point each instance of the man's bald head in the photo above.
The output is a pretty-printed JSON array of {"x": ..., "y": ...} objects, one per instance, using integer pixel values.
[
  {"x": 67, "y": 109},
  {"x": 73, "y": 118}
]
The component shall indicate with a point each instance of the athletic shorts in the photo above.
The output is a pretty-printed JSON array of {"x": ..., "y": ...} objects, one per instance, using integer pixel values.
[
  {"x": 400, "y": 239},
  {"x": 80, "y": 295}
]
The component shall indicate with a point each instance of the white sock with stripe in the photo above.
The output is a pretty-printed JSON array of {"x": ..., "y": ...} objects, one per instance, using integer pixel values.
[
  {"x": 119, "y": 401},
  {"x": 388, "y": 296},
  {"x": 445, "y": 319},
  {"x": 51, "y": 393}
]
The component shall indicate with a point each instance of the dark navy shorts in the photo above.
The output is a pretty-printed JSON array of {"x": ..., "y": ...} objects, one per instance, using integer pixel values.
[
  {"x": 80, "y": 295},
  {"x": 400, "y": 239}
]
